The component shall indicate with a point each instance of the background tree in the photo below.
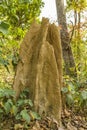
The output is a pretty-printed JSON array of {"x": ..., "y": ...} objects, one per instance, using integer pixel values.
[
  {"x": 77, "y": 27},
  {"x": 69, "y": 63}
]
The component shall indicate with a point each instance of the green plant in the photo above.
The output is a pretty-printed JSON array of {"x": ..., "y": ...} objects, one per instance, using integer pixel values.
[
  {"x": 16, "y": 17},
  {"x": 75, "y": 93},
  {"x": 20, "y": 110}
]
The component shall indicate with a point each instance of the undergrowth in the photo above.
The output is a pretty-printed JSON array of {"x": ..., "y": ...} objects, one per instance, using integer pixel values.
[
  {"x": 75, "y": 94},
  {"x": 20, "y": 111}
]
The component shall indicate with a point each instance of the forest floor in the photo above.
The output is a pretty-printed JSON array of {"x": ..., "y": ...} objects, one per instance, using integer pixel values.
[{"x": 70, "y": 121}]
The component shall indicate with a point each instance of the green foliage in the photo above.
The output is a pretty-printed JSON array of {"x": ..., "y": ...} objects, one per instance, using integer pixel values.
[
  {"x": 15, "y": 19},
  {"x": 20, "y": 13},
  {"x": 5, "y": 101},
  {"x": 75, "y": 89},
  {"x": 20, "y": 110},
  {"x": 75, "y": 93},
  {"x": 76, "y": 5},
  {"x": 6, "y": 93}
]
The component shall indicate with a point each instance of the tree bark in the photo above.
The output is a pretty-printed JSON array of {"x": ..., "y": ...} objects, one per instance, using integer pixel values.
[
  {"x": 65, "y": 40},
  {"x": 40, "y": 69}
]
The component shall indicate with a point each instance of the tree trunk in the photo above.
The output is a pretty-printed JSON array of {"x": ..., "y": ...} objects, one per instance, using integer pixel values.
[
  {"x": 65, "y": 40},
  {"x": 40, "y": 68}
]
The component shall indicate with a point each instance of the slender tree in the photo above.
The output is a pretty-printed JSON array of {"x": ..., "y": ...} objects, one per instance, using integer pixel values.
[{"x": 65, "y": 39}]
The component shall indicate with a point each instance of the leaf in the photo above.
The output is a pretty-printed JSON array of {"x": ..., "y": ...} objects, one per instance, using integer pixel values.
[
  {"x": 20, "y": 102},
  {"x": 4, "y": 27},
  {"x": 8, "y": 92},
  {"x": 25, "y": 115},
  {"x": 18, "y": 126},
  {"x": 1, "y": 95},
  {"x": 10, "y": 102},
  {"x": 84, "y": 95},
  {"x": 18, "y": 116},
  {"x": 1, "y": 104},
  {"x": 7, "y": 107},
  {"x": 24, "y": 1},
  {"x": 35, "y": 115},
  {"x": 1, "y": 111},
  {"x": 64, "y": 90},
  {"x": 5, "y": 63},
  {"x": 69, "y": 99},
  {"x": 71, "y": 87},
  {"x": 14, "y": 110},
  {"x": 30, "y": 103},
  {"x": 60, "y": 128}
]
